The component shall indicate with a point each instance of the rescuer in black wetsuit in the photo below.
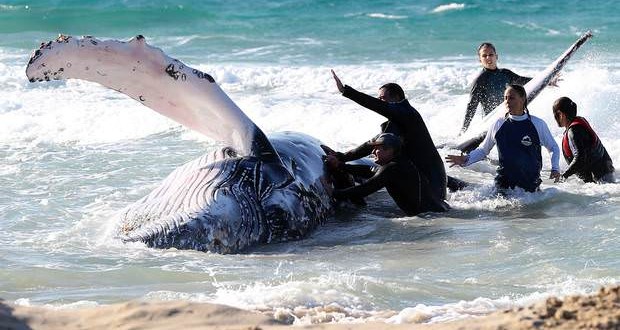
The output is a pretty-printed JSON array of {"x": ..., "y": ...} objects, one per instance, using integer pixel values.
[
  {"x": 488, "y": 88},
  {"x": 582, "y": 149},
  {"x": 396, "y": 173},
  {"x": 405, "y": 122}
]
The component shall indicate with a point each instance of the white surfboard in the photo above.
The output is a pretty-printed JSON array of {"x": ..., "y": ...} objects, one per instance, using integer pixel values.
[{"x": 475, "y": 135}]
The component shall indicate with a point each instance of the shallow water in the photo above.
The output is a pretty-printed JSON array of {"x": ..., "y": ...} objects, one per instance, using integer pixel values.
[{"x": 73, "y": 154}]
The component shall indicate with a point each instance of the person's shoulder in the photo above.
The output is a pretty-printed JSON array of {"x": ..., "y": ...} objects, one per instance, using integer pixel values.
[
  {"x": 540, "y": 124},
  {"x": 399, "y": 161},
  {"x": 495, "y": 126},
  {"x": 400, "y": 166},
  {"x": 538, "y": 120},
  {"x": 577, "y": 130},
  {"x": 405, "y": 107},
  {"x": 480, "y": 75},
  {"x": 389, "y": 169},
  {"x": 500, "y": 120},
  {"x": 506, "y": 71}
]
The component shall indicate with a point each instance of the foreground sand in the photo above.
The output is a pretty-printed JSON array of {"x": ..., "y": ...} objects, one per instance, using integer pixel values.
[{"x": 601, "y": 311}]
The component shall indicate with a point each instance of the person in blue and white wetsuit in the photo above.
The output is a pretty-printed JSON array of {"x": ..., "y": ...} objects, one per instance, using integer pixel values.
[{"x": 519, "y": 137}]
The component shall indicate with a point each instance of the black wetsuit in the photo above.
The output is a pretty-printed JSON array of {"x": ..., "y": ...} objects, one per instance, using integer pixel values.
[
  {"x": 418, "y": 146},
  {"x": 402, "y": 181},
  {"x": 584, "y": 152},
  {"x": 488, "y": 89}
]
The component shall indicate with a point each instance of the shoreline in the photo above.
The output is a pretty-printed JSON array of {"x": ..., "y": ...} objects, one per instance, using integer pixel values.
[{"x": 598, "y": 311}]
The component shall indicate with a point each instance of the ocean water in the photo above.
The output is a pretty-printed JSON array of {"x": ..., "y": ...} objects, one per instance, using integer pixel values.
[{"x": 72, "y": 154}]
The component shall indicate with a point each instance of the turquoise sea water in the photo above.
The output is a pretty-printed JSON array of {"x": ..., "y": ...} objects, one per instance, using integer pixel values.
[
  {"x": 318, "y": 31},
  {"x": 72, "y": 154}
]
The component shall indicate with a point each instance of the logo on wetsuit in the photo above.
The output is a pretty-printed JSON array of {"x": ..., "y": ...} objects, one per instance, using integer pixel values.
[{"x": 526, "y": 141}]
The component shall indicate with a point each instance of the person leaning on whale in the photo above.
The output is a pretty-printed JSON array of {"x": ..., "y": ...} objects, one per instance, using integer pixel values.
[
  {"x": 407, "y": 123},
  {"x": 396, "y": 173}
]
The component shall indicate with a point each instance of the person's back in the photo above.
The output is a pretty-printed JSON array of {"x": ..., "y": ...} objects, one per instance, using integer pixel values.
[
  {"x": 595, "y": 163},
  {"x": 582, "y": 149}
]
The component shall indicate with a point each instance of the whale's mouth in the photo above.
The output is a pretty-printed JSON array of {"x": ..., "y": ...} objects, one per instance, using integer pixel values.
[
  {"x": 207, "y": 204},
  {"x": 201, "y": 233}
]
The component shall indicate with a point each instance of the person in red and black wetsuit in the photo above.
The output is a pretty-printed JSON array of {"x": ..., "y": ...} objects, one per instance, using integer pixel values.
[{"x": 582, "y": 149}]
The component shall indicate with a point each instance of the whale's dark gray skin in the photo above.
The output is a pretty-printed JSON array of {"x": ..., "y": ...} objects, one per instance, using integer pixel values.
[{"x": 252, "y": 191}]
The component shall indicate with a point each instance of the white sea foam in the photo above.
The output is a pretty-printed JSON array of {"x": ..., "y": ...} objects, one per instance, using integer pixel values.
[
  {"x": 386, "y": 16},
  {"x": 301, "y": 98},
  {"x": 4, "y": 7},
  {"x": 449, "y": 7},
  {"x": 304, "y": 303},
  {"x": 534, "y": 27}
]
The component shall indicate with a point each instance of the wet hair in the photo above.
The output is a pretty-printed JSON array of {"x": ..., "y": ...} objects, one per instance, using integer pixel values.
[
  {"x": 565, "y": 106},
  {"x": 486, "y": 44},
  {"x": 521, "y": 92},
  {"x": 394, "y": 91},
  {"x": 388, "y": 140}
]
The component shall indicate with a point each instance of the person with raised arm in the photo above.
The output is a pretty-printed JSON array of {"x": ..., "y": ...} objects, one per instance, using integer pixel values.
[{"x": 407, "y": 123}]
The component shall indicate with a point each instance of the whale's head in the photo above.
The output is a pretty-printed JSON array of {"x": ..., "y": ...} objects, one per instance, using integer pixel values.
[
  {"x": 209, "y": 204},
  {"x": 224, "y": 203}
]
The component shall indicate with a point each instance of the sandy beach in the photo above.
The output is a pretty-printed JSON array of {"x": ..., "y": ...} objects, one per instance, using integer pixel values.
[{"x": 600, "y": 311}]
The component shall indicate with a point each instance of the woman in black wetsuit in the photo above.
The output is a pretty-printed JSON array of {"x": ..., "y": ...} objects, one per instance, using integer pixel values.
[{"x": 488, "y": 87}]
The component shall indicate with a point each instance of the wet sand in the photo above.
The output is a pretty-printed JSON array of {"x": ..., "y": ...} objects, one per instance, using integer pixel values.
[{"x": 600, "y": 311}]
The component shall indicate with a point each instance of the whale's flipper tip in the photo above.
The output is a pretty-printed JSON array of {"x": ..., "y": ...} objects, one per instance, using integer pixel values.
[
  {"x": 63, "y": 38},
  {"x": 138, "y": 40}
]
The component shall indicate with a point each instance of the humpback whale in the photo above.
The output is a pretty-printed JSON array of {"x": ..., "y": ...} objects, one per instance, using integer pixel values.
[{"x": 253, "y": 190}]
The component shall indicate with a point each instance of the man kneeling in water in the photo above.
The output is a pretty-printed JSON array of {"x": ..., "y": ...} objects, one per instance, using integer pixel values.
[
  {"x": 396, "y": 173},
  {"x": 582, "y": 149}
]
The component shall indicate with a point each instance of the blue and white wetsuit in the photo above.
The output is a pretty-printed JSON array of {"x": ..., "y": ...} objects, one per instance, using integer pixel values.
[{"x": 519, "y": 140}]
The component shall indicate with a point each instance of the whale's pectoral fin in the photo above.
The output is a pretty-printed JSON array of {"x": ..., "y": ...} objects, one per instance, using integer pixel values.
[
  {"x": 455, "y": 184},
  {"x": 471, "y": 144},
  {"x": 166, "y": 85}
]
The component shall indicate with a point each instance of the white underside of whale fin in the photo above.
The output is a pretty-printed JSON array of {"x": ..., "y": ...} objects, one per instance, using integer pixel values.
[{"x": 144, "y": 73}]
